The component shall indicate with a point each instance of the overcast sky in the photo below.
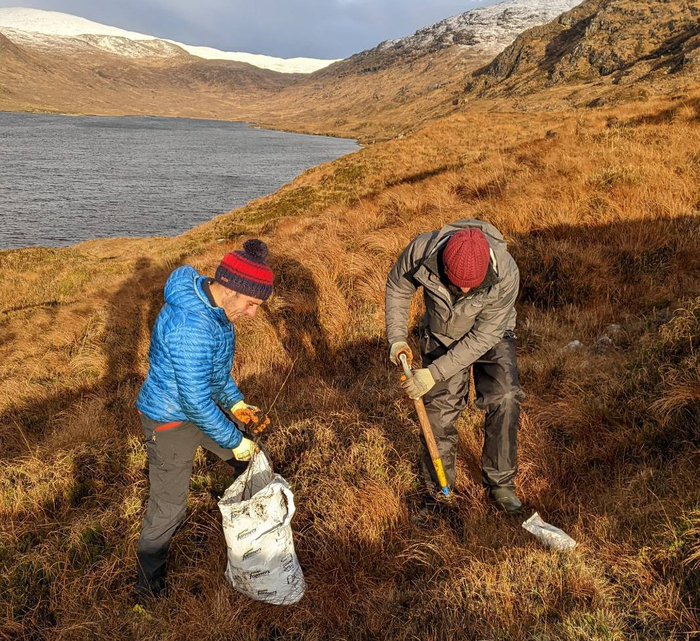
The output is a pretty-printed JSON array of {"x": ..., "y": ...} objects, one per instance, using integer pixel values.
[{"x": 284, "y": 28}]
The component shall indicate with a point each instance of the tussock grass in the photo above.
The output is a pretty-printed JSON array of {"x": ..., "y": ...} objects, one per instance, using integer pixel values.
[{"x": 601, "y": 212}]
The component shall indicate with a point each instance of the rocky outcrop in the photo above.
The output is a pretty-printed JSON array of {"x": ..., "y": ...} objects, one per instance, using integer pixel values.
[{"x": 597, "y": 39}]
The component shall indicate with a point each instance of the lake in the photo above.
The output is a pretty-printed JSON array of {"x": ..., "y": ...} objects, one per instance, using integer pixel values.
[{"x": 65, "y": 179}]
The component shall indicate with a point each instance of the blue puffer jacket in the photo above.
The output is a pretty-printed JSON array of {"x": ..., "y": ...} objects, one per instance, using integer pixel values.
[{"x": 191, "y": 354}]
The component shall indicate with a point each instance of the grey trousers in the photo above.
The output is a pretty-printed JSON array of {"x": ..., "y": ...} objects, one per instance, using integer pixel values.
[
  {"x": 497, "y": 391},
  {"x": 171, "y": 449}
]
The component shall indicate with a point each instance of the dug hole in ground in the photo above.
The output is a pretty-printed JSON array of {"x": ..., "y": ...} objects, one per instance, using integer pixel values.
[{"x": 257, "y": 511}]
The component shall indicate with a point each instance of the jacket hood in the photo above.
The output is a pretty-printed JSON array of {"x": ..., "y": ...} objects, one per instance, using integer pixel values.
[
  {"x": 183, "y": 289},
  {"x": 434, "y": 264},
  {"x": 494, "y": 237},
  {"x": 495, "y": 240}
]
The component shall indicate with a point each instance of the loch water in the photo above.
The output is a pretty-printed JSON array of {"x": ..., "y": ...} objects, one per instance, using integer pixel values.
[{"x": 65, "y": 179}]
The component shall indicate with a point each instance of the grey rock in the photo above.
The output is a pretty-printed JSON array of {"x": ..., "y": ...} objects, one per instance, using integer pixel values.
[
  {"x": 603, "y": 344},
  {"x": 613, "y": 330}
]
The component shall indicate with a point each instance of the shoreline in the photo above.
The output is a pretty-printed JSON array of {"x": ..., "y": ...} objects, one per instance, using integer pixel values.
[{"x": 251, "y": 123}]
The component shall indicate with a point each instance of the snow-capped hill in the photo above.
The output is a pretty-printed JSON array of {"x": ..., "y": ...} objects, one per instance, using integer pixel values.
[
  {"x": 116, "y": 45},
  {"x": 490, "y": 29},
  {"x": 54, "y": 23},
  {"x": 282, "y": 65},
  {"x": 52, "y": 29}
]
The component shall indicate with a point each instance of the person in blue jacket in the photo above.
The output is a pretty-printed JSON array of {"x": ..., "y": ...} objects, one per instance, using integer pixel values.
[{"x": 188, "y": 383}]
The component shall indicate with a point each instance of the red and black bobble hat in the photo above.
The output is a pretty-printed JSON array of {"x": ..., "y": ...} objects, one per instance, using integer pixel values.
[{"x": 245, "y": 271}]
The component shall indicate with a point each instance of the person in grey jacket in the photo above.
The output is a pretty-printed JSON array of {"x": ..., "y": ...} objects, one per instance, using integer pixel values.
[{"x": 470, "y": 284}]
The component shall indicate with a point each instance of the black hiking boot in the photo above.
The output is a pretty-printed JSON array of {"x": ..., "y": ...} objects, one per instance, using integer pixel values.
[
  {"x": 505, "y": 499},
  {"x": 144, "y": 594}
]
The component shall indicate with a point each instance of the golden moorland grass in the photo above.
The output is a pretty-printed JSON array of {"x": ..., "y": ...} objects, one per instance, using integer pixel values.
[{"x": 602, "y": 213}]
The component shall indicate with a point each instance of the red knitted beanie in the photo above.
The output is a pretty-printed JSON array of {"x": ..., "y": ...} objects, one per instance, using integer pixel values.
[{"x": 466, "y": 258}]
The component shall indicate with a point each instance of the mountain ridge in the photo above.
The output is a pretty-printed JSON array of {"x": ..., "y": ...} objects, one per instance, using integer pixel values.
[
  {"x": 375, "y": 94},
  {"x": 582, "y": 58},
  {"x": 91, "y": 43},
  {"x": 56, "y": 27},
  {"x": 601, "y": 212},
  {"x": 481, "y": 31},
  {"x": 491, "y": 27}
]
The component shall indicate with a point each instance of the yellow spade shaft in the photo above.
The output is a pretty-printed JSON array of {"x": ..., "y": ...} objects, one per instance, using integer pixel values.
[{"x": 427, "y": 433}]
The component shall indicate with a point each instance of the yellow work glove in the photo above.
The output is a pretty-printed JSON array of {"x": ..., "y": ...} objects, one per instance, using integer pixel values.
[
  {"x": 251, "y": 416},
  {"x": 245, "y": 450},
  {"x": 419, "y": 384},
  {"x": 398, "y": 348}
]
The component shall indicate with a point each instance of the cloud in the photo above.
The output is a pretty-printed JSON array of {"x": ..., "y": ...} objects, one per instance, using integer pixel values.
[{"x": 284, "y": 28}]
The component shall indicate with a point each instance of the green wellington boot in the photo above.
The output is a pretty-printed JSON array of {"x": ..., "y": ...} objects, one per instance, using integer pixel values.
[{"x": 505, "y": 499}]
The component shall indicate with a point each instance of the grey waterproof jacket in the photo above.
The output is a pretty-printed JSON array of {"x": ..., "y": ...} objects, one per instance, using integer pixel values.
[{"x": 468, "y": 327}]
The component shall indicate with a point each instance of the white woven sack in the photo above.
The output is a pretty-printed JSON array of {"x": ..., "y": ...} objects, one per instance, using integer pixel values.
[
  {"x": 257, "y": 511},
  {"x": 551, "y": 536}
]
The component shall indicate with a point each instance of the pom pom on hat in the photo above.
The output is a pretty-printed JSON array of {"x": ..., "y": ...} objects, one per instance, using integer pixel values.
[{"x": 256, "y": 249}]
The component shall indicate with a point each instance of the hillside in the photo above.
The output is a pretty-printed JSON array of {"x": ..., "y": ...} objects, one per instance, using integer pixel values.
[
  {"x": 596, "y": 52},
  {"x": 618, "y": 48},
  {"x": 88, "y": 79},
  {"x": 402, "y": 84},
  {"x": 487, "y": 29},
  {"x": 601, "y": 210}
]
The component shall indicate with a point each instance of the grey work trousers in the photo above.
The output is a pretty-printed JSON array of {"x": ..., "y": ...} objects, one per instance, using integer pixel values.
[
  {"x": 497, "y": 391},
  {"x": 171, "y": 449}
]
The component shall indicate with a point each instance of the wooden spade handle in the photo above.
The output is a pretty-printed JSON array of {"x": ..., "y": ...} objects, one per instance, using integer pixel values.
[{"x": 427, "y": 430}]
